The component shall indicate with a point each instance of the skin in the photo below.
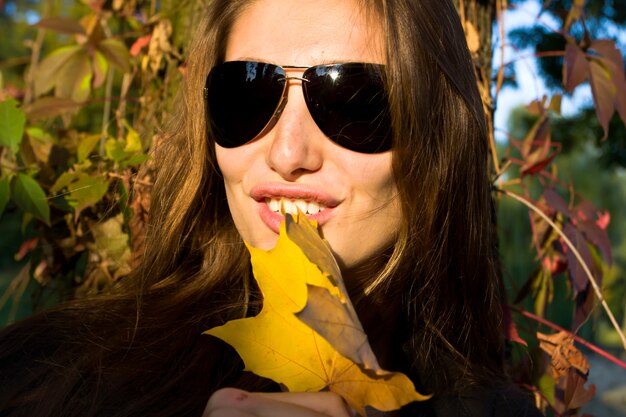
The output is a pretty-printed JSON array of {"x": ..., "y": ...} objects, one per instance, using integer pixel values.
[{"x": 295, "y": 153}]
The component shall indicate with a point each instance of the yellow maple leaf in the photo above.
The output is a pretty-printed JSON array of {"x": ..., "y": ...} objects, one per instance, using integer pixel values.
[{"x": 302, "y": 291}]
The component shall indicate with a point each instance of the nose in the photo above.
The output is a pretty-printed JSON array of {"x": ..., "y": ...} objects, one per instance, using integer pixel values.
[{"x": 296, "y": 141}]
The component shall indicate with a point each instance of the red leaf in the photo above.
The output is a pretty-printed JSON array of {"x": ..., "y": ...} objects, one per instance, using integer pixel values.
[
  {"x": 585, "y": 303},
  {"x": 585, "y": 211},
  {"x": 554, "y": 200},
  {"x": 578, "y": 277},
  {"x": 539, "y": 135},
  {"x": 554, "y": 264},
  {"x": 538, "y": 166},
  {"x": 604, "y": 93},
  {"x": 62, "y": 25},
  {"x": 575, "y": 67},
  {"x": 509, "y": 328},
  {"x": 574, "y": 395},
  {"x": 608, "y": 50},
  {"x": 598, "y": 236},
  {"x": 139, "y": 45},
  {"x": 603, "y": 220},
  {"x": 26, "y": 247}
]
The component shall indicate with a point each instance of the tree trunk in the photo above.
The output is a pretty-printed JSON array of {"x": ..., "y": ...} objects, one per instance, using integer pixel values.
[{"x": 477, "y": 17}]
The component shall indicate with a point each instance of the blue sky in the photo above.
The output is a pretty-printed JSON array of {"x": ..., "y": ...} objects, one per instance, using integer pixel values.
[{"x": 530, "y": 84}]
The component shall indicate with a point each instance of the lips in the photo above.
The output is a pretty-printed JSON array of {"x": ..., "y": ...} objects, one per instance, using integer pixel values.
[{"x": 269, "y": 197}]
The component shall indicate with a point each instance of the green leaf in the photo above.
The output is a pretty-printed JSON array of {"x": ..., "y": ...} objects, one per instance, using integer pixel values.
[
  {"x": 111, "y": 242},
  {"x": 100, "y": 69},
  {"x": 74, "y": 78},
  {"x": 63, "y": 181},
  {"x": 86, "y": 145},
  {"x": 40, "y": 135},
  {"x": 116, "y": 53},
  {"x": 5, "y": 194},
  {"x": 115, "y": 150},
  {"x": 86, "y": 192},
  {"x": 135, "y": 160},
  {"x": 543, "y": 290},
  {"x": 133, "y": 142},
  {"x": 50, "y": 70},
  {"x": 12, "y": 121},
  {"x": 30, "y": 197},
  {"x": 546, "y": 387}
]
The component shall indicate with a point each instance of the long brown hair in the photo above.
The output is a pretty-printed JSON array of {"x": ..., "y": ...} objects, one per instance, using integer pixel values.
[{"x": 140, "y": 349}]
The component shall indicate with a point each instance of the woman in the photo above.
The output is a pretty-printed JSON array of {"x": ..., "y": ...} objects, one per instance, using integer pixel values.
[{"x": 403, "y": 200}]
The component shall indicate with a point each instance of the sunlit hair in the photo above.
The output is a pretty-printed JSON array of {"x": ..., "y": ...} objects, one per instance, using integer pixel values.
[{"x": 437, "y": 287}]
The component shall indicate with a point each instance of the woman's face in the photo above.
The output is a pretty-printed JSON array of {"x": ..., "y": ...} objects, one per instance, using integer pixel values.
[{"x": 294, "y": 160}]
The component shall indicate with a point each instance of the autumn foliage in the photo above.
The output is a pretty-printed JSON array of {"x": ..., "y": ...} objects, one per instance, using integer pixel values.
[{"x": 76, "y": 134}]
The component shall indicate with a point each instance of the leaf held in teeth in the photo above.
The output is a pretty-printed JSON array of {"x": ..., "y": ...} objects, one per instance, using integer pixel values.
[{"x": 304, "y": 297}]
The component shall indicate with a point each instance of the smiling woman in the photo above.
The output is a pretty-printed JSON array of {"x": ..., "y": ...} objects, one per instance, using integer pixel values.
[
  {"x": 365, "y": 115},
  {"x": 292, "y": 160}
]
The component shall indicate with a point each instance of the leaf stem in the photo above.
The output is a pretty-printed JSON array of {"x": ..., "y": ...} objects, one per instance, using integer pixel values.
[
  {"x": 571, "y": 246},
  {"x": 579, "y": 339},
  {"x": 108, "y": 91}
]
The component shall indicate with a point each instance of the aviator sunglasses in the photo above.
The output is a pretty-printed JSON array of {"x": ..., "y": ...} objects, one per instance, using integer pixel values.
[{"x": 347, "y": 102}]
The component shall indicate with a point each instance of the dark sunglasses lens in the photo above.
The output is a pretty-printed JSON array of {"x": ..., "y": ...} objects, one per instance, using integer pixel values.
[
  {"x": 349, "y": 104},
  {"x": 242, "y": 97}
]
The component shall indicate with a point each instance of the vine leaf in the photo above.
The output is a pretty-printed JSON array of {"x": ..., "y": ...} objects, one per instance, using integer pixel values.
[
  {"x": 569, "y": 370},
  {"x": 12, "y": 121},
  {"x": 5, "y": 193},
  {"x": 86, "y": 191},
  {"x": 83, "y": 190},
  {"x": 563, "y": 354},
  {"x": 276, "y": 344},
  {"x": 575, "y": 67},
  {"x": 50, "y": 107},
  {"x": 29, "y": 196},
  {"x": 62, "y": 25}
]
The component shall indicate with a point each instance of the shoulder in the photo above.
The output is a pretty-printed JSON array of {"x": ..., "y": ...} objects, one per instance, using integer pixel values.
[{"x": 510, "y": 401}]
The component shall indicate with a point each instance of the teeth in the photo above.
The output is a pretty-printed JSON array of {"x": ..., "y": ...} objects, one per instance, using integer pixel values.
[
  {"x": 292, "y": 206},
  {"x": 289, "y": 207},
  {"x": 302, "y": 205}
]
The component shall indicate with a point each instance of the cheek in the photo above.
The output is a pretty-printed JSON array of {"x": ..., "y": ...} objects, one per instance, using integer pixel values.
[
  {"x": 226, "y": 161},
  {"x": 377, "y": 179}
]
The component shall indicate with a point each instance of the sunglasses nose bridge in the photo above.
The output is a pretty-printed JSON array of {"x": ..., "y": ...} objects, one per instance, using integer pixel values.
[
  {"x": 291, "y": 77},
  {"x": 285, "y": 97}
]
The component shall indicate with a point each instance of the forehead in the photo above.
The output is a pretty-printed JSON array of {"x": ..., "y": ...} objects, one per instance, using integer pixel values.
[{"x": 305, "y": 32}]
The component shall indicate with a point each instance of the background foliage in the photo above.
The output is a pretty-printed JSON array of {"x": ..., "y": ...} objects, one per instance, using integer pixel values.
[{"x": 85, "y": 85}]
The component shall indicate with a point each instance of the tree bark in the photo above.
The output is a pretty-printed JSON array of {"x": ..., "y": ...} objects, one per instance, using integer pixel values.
[{"x": 477, "y": 17}]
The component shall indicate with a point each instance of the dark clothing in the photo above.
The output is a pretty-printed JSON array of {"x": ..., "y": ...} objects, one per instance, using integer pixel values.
[
  {"x": 503, "y": 401},
  {"x": 45, "y": 371}
]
